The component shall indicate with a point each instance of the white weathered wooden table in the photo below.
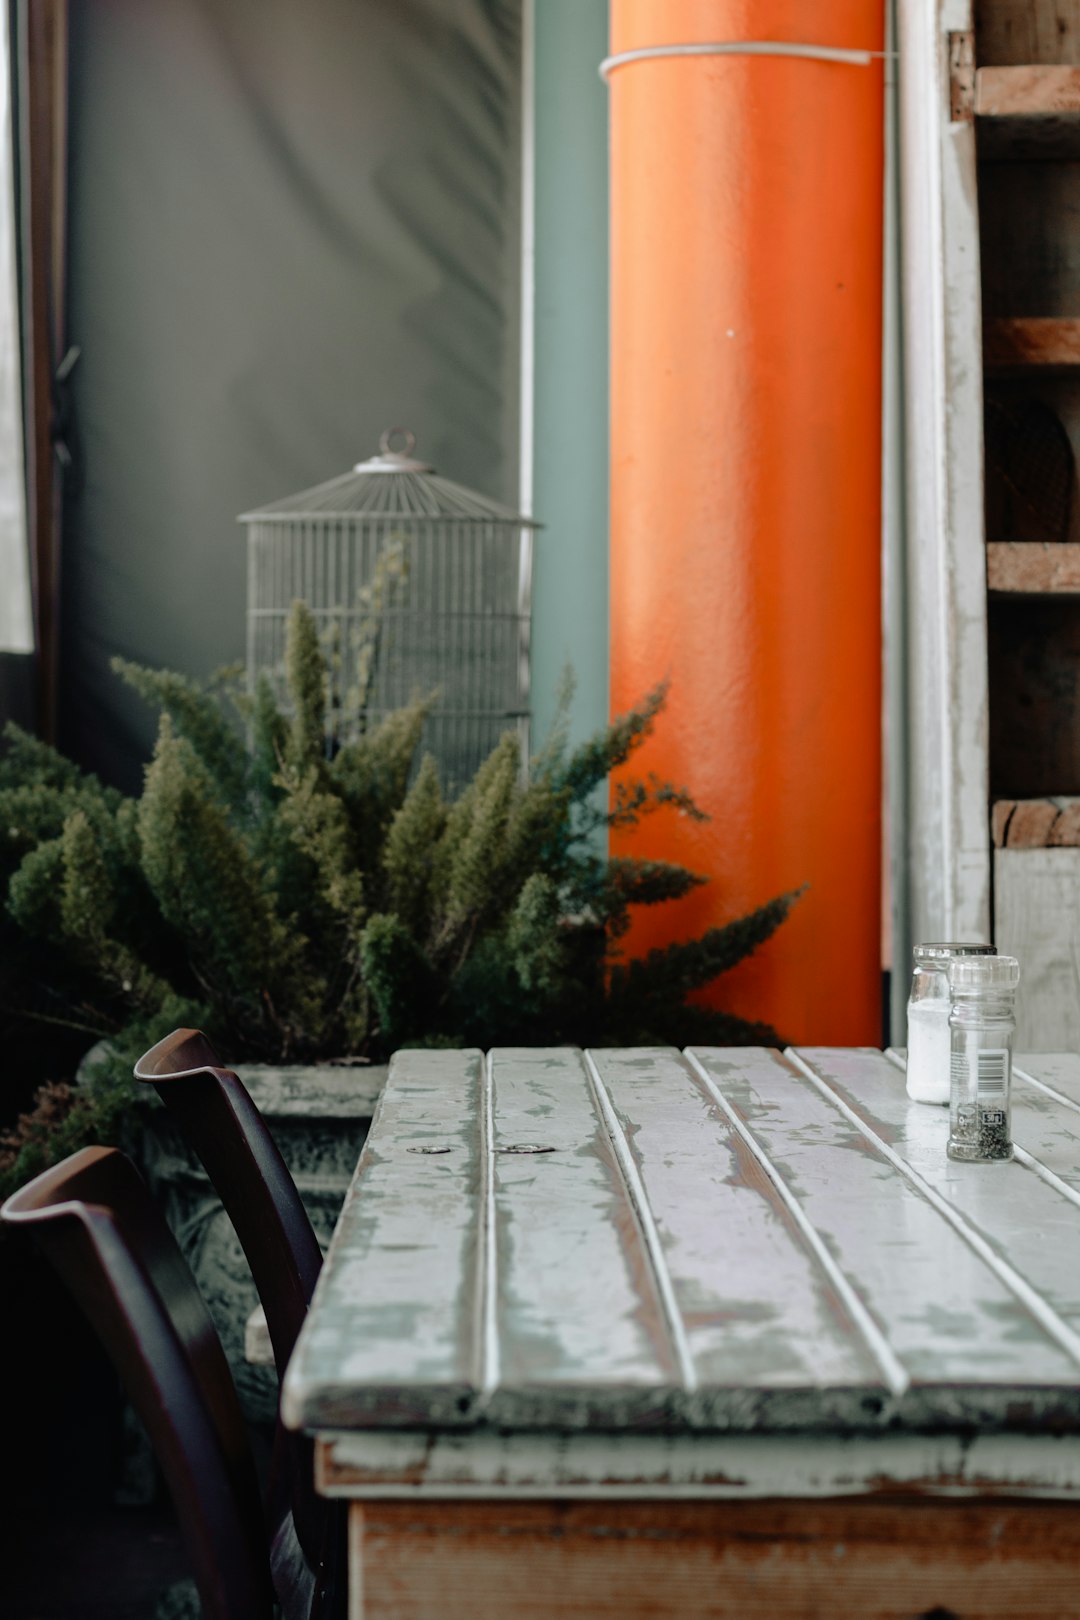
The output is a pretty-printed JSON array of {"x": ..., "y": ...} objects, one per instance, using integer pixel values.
[{"x": 638, "y": 1332}]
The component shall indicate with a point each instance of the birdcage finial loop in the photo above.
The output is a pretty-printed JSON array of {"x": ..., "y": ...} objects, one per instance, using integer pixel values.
[{"x": 387, "y": 437}]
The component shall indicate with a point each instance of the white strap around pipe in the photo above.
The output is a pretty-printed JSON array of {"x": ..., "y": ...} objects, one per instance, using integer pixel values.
[{"x": 743, "y": 47}]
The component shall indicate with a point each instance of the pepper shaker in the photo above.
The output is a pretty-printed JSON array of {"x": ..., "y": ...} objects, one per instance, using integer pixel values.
[{"x": 981, "y": 1029}]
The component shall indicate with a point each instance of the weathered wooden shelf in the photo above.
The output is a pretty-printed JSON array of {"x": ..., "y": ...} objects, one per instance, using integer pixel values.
[
  {"x": 1028, "y": 112},
  {"x": 1033, "y": 568},
  {"x": 1036, "y": 823},
  {"x": 1027, "y": 342}
]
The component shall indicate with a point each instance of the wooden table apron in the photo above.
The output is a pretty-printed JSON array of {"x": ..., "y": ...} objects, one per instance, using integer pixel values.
[{"x": 722, "y": 1332}]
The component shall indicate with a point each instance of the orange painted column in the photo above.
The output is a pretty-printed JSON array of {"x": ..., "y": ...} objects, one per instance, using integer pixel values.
[{"x": 746, "y": 288}]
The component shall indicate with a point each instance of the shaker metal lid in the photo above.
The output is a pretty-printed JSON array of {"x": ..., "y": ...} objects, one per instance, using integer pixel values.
[
  {"x": 943, "y": 951},
  {"x": 970, "y": 974}
]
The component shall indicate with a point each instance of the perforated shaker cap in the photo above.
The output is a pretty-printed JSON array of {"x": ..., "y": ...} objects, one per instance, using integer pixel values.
[
  {"x": 938, "y": 953},
  {"x": 972, "y": 975}
]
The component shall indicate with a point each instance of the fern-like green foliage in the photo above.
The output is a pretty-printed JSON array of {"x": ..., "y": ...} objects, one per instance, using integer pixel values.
[
  {"x": 371, "y": 776},
  {"x": 304, "y": 894},
  {"x": 199, "y": 718},
  {"x": 408, "y": 851},
  {"x": 368, "y": 623},
  {"x": 533, "y": 938},
  {"x": 478, "y": 859},
  {"x": 306, "y": 674},
  {"x": 212, "y": 890}
]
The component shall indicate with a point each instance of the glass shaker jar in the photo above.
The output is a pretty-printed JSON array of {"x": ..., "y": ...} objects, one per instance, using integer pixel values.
[
  {"x": 928, "y": 1020},
  {"x": 981, "y": 1028}
]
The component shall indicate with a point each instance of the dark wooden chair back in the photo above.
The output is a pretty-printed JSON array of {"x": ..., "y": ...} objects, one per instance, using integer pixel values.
[
  {"x": 95, "y": 1219},
  {"x": 217, "y": 1118},
  {"x": 219, "y": 1121}
]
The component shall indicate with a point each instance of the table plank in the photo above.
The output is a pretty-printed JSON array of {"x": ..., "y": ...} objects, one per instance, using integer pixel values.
[
  {"x": 1058, "y": 1071},
  {"x": 394, "y": 1334},
  {"x": 951, "y": 1321},
  {"x": 1046, "y": 1122},
  {"x": 582, "y": 1335},
  {"x": 1047, "y": 1137},
  {"x": 759, "y": 1311},
  {"x": 1025, "y": 1229}
]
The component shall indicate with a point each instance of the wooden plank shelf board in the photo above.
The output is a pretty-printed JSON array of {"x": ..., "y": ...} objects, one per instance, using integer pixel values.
[
  {"x": 1036, "y": 823},
  {"x": 1033, "y": 567},
  {"x": 1031, "y": 92},
  {"x": 1027, "y": 342},
  {"x": 1029, "y": 111}
]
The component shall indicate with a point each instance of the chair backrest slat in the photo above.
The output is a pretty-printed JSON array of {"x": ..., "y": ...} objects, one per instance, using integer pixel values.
[{"x": 218, "y": 1119}]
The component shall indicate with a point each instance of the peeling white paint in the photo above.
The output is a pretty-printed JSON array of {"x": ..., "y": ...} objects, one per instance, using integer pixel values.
[
  {"x": 693, "y": 1253},
  {"x": 735, "y": 1467}
]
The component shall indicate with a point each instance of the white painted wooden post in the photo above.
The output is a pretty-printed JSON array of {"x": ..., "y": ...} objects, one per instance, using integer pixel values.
[
  {"x": 948, "y": 793},
  {"x": 893, "y": 561}
]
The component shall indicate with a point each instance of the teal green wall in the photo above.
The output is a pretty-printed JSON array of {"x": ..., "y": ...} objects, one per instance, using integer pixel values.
[{"x": 570, "y": 489}]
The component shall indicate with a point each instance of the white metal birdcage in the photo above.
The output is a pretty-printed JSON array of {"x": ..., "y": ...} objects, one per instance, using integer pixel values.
[{"x": 418, "y": 585}]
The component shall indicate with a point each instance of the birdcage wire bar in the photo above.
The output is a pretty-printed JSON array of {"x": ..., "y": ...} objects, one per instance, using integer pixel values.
[{"x": 432, "y": 579}]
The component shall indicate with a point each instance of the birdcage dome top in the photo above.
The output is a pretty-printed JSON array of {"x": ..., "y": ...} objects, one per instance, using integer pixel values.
[{"x": 390, "y": 484}]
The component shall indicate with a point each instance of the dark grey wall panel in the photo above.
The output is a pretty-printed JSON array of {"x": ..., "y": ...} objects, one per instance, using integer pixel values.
[{"x": 291, "y": 225}]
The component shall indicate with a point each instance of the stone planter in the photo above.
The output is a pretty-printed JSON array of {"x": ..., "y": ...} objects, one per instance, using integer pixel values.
[{"x": 319, "y": 1118}]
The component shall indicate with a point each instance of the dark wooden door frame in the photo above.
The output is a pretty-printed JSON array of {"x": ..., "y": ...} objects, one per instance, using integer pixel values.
[{"x": 39, "y": 32}]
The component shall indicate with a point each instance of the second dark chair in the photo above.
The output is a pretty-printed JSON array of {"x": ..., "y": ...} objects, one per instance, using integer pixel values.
[{"x": 216, "y": 1116}]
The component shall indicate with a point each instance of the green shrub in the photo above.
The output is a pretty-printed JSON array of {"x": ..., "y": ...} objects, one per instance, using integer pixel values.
[{"x": 301, "y": 898}]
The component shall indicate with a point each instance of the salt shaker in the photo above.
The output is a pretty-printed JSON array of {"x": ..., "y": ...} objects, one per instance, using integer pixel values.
[
  {"x": 928, "y": 1020},
  {"x": 981, "y": 1028}
]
